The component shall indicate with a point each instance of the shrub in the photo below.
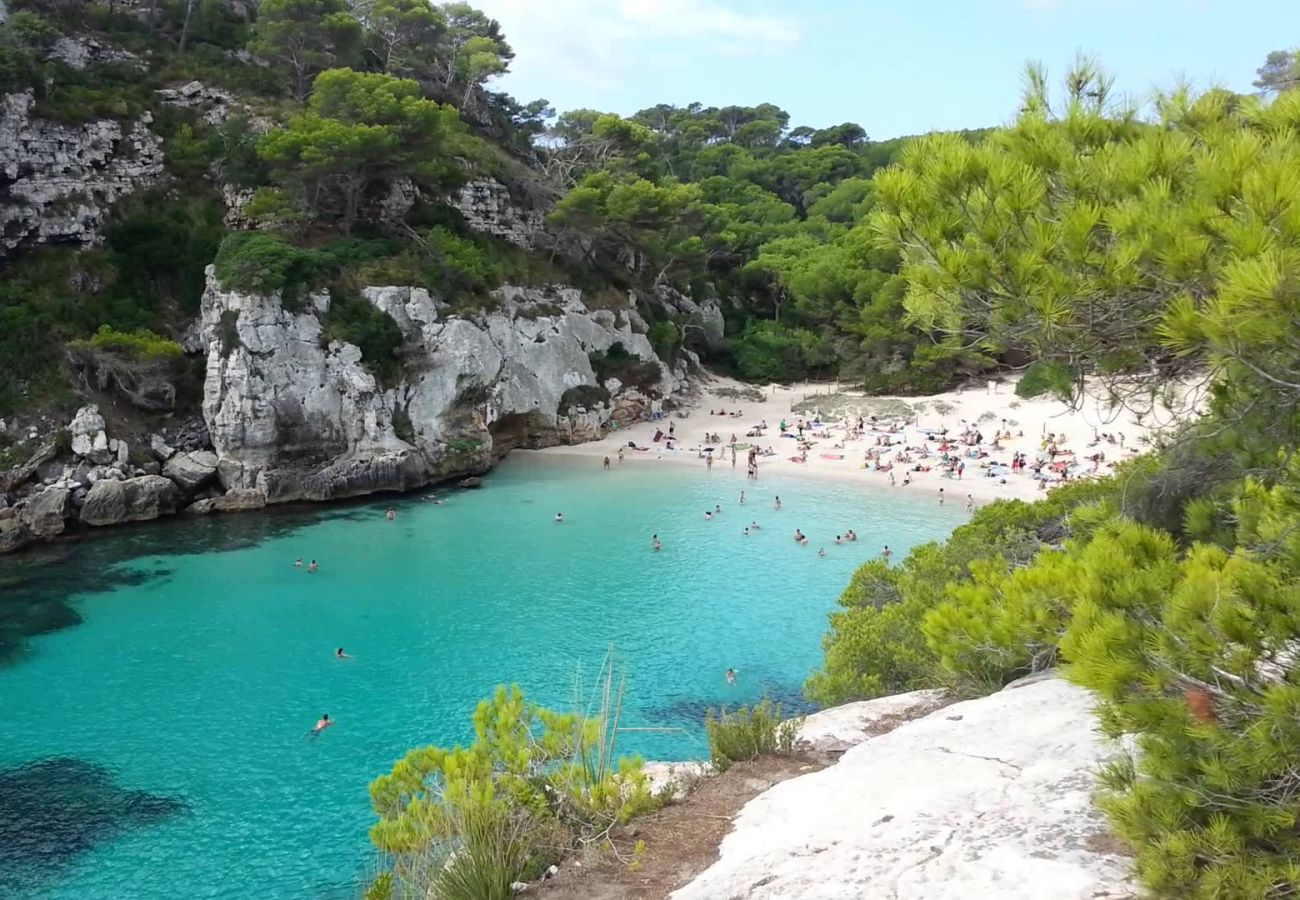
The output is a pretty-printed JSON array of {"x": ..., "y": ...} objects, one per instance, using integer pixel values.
[
  {"x": 665, "y": 338},
  {"x": 354, "y": 320},
  {"x": 587, "y": 396},
  {"x": 628, "y": 368},
  {"x": 748, "y": 733},
  {"x": 139, "y": 345},
  {"x": 771, "y": 351},
  {"x": 228, "y": 331},
  {"x": 261, "y": 263},
  {"x": 1047, "y": 378},
  {"x": 466, "y": 821}
]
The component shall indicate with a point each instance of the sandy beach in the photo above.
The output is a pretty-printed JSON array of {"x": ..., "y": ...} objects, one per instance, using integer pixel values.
[{"x": 961, "y": 441}]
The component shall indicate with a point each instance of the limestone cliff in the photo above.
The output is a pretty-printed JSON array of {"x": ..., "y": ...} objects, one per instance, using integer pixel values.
[
  {"x": 58, "y": 181},
  {"x": 987, "y": 798},
  {"x": 296, "y": 416}
]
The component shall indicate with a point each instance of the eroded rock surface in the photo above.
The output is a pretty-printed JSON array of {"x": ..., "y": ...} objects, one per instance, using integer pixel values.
[
  {"x": 987, "y": 798},
  {"x": 298, "y": 417}
]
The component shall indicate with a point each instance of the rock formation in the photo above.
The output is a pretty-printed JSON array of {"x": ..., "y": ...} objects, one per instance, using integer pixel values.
[
  {"x": 988, "y": 798},
  {"x": 112, "y": 502},
  {"x": 298, "y": 417},
  {"x": 57, "y": 181},
  {"x": 488, "y": 208}
]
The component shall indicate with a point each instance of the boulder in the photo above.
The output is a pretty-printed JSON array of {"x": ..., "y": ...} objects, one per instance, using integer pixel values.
[
  {"x": 159, "y": 448},
  {"x": 14, "y": 535},
  {"x": 111, "y": 502},
  {"x": 471, "y": 482},
  {"x": 988, "y": 798},
  {"x": 89, "y": 440},
  {"x": 841, "y": 727},
  {"x": 192, "y": 470},
  {"x": 236, "y": 500},
  {"x": 45, "y": 512}
]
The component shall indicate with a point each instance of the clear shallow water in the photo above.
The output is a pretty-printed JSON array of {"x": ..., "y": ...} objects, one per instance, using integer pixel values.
[{"x": 196, "y": 679}]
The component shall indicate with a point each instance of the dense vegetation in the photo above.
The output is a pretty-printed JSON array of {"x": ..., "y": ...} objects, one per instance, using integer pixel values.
[
  {"x": 354, "y": 121},
  {"x": 1152, "y": 252}
]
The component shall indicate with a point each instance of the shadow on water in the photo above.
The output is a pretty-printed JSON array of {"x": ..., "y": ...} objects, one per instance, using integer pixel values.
[
  {"x": 690, "y": 712},
  {"x": 57, "y": 809},
  {"x": 36, "y": 585}
]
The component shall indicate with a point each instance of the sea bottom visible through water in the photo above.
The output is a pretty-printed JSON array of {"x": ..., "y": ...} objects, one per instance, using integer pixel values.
[{"x": 159, "y": 748}]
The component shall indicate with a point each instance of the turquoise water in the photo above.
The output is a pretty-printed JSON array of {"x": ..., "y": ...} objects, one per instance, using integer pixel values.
[{"x": 198, "y": 670}]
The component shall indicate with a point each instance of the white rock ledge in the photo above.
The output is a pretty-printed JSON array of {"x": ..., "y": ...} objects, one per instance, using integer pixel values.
[{"x": 987, "y": 798}]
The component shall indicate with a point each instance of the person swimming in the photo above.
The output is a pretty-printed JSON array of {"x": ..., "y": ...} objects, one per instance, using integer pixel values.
[
  {"x": 821, "y": 552},
  {"x": 886, "y": 553},
  {"x": 297, "y": 563},
  {"x": 392, "y": 514},
  {"x": 313, "y": 567},
  {"x": 754, "y": 526},
  {"x": 339, "y": 654},
  {"x": 559, "y": 517},
  {"x": 655, "y": 543},
  {"x": 717, "y": 509},
  {"x": 321, "y": 724},
  {"x": 776, "y": 503},
  {"x": 800, "y": 537},
  {"x": 708, "y": 514},
  {"x": 731, "y": 676},
  {"x": 746, "y": 532},
  {"x": 839, "y": 538}
]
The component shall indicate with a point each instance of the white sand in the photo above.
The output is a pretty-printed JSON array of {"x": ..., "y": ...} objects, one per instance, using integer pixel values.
[{"x": 1029, "y": 422}]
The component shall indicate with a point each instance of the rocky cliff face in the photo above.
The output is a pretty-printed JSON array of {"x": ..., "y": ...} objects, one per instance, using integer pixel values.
[
  {"x": 298, "y": 417},
  {"x": 488, "y": 208},
  {"x": 58, "y": 181}
]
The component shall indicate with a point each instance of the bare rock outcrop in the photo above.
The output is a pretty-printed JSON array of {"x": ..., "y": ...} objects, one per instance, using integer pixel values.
[
  {"x": 298, "y": 417},
  {"x": 987, "y": 798},
  {"x": 58, "y": 180},
  {"x": 112, "y": 502}
]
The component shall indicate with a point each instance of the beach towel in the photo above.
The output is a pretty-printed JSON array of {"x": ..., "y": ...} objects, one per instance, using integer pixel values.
[{"x": 832, "y": 456}]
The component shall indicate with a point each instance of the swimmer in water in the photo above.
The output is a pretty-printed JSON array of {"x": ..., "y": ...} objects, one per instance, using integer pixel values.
[
  {"x": 742, "y": 493},
  {"x": 339, "y": 654},
  {"x": 559, "y": 517},
  {"x": 313, "y": 567},
  {"x": 776, "y": 504},
  {"x": 717, "y": 509},
  {"x": 708, "y": 514},
  {"x": 392, "y": 514},
  {"x": 731, "y": 676},
  {"x": 886, "y": 553},
  {"x": 754, "y": 526},
  {"x": 655, "y": 544},
  {"x": 324, "y": 722},
  {"x": 821, "y": 552},
  {"x": 839, "y": 539},
  {"x": 746, "y": 532},
  {"x": 297, "y": 563}
]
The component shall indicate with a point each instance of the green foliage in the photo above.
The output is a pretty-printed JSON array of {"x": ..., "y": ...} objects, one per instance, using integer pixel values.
[
  {"x": 140, "y": 345},
  {"x": 228, "y": 331},
  {"x": 359, "y": 128},
  {"x": 462, "y": 264},
  {"x": 771, "y": 351},
  {"x": 264, "y": 263},
  {"x": 305, "y": 37},
  {"x": 1048, "y": 378},
  {"x": 355, "y": 320},
  {"x": 630, "y": 369},
  {"x": 586, "y": 396},
  {"x": 532, "y": 781},
  {"x": 748, "y": 733}
]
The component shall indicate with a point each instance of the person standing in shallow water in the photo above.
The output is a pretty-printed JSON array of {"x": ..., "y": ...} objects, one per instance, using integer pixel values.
[
  {"x": 731, "y": 676},
  {"x": 606, "y": 462},
  {"x": 559, "y": 518},
  {"x": 655, "y": 543},
  {"x": 392, "y": 514},
  {"x": 313, "y": 567}
]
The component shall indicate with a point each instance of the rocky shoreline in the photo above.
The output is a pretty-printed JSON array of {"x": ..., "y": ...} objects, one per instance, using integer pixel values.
[{"x": 290, "y": 415}]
